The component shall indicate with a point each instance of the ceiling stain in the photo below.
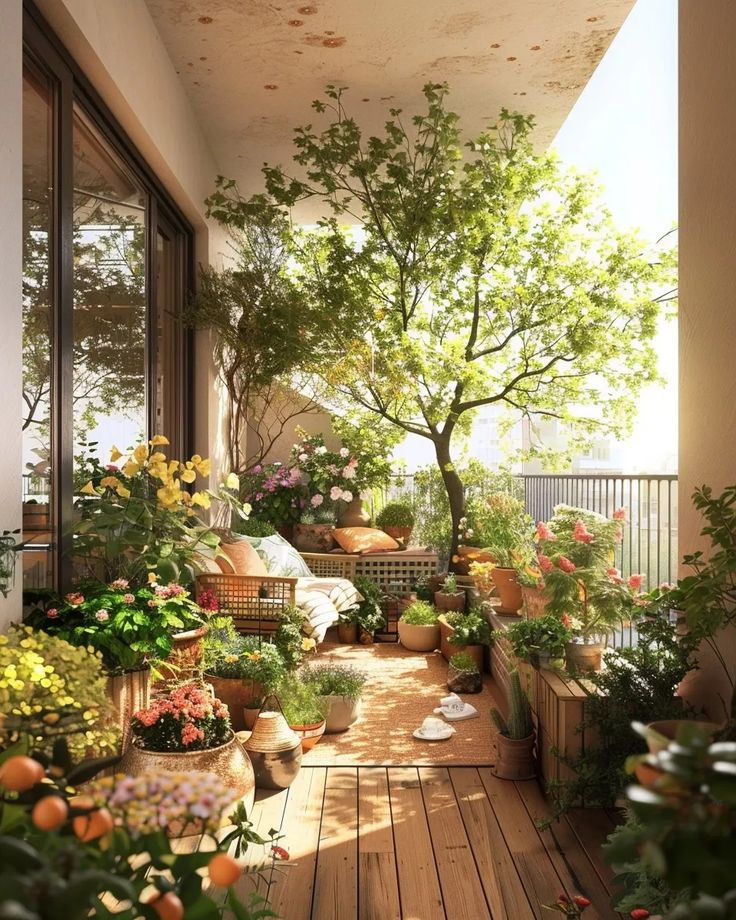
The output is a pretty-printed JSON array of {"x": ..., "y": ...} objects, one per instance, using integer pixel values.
[{"x": 461, "y": 63}]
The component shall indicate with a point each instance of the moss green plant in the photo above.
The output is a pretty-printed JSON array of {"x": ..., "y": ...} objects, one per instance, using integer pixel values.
[{"x": 420, "y": 613}]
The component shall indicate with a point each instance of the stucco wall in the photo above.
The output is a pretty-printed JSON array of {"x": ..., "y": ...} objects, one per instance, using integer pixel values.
[
  {"x": 707, "y": 233},
  {"x": 11, "y": 189}
]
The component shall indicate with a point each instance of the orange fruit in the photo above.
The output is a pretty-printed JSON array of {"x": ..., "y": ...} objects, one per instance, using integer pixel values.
[
  {"x": 49, "y": 812},
  {"x": 224, "y": 870},
  {"x": 20, "y": 773},
  {"x": 168, "y": 906},
  {"x": 93, "y": 825}
]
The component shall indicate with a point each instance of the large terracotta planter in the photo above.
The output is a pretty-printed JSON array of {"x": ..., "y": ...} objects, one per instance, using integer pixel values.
[
  {"x": 584, "y": 656},
  {"x": 353, "y": 514},
  {"x": 310, "y": 734},
  {"x": 515, "y": 758},
  {"x": 449, "y": 649},
  {"x": 129, "y": 692},
  {"x": 229, "y": 761},
  {"x": 534, "y": 602},
  {"x": 234, "y": 693},
  {"x": 450, "y": 602},
  {"x": 508, "y": 590},
  {"x": 313, "y": 538},
  {"x": 419, "y": 638},
  {"x": 342, "y": 712},
  {"x": 347, "y": 632}
]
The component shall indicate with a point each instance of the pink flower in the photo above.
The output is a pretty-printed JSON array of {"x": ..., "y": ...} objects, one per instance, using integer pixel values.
[
  {"x": 153, "y": 603},
  {"x": 257, "y": 468},
  {"x": 349, "y": 472},
  {"x": 565, "y": 564},
  {"x": 566, "y": 620},
  {"x": 543, "y": 532},
  {"x": 120, "y": 584},
  {"x": 102, "y": 615},
  {"x": 619, "y": 514},
  {"x": 545, "y": 563},
  {"x": 259, "y": 496},
  {"x": 129, "y": 598},
  {"x": 335, "y": 493},
  {"x": 74, "y": 599},
  {"x": 112, "y": 468},
  {"x": 636, "y": 581},
  {"x": 316, "y": 500},
  {"x": 52, "y": 613},
  {"x": 207, "y": 600},
  {"x": 347, "y": 495},
  {"x": 581, "y": 532},
  {"x": 612, "y": 571},
  {"x": 639, "y": 913}
]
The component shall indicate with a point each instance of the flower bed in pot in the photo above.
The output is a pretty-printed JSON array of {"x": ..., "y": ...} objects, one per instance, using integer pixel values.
[{"x": 341, "y": 688}]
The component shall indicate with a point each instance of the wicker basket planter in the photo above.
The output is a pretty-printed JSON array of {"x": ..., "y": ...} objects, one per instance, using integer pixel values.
[{"x": 129, "y": 692}]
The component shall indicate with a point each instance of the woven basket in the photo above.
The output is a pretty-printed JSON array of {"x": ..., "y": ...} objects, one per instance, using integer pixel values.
[
  {"x": 275, "y": 750},
  {"x": 271, "y": 733}
]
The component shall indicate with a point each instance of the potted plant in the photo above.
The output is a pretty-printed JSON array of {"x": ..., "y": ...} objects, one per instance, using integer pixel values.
[
  {"x": 463, "y": 674},
  {"x": 450, "y": 596},
  {"x": 583, "y": 587},
  {"x": 275, "y": 495},
  {"x": 461, "y": 632},
  {"x": 341, "y": 688},
  {"x": 188, "y": 730},
  {"x": 418, "y": 628},
  {"x": 397, "y": 520},
  {"x": 303, "y": 708},
  {"x": 540, "y": 642},
  {"x": 347, "y": 626},
  {"x": 369, "y": 616},
  {"x": 482, "y": 575},
  {"x": 515, "y": 741},
  {"x": 508, "y": 532}
]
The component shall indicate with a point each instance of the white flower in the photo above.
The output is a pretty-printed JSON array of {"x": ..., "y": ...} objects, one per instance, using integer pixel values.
[
  {"x": 321, "y": 449},
  {"x": 349, "y": 472},
  {"x": 347, "y": 496},
  {"x": 344, "y": 452},
  {"x": 317, "y": 500},
  {"x": 232, "y": 481},
  {"x": 102, "y": 615},
  {"x": 303, "y": 458},
  {"x": 335, "y": 493},
  {"x": 469, "y": 532}
]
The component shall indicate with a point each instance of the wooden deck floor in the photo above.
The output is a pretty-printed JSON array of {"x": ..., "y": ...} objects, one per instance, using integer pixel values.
[{"x": 406, "y": 843}]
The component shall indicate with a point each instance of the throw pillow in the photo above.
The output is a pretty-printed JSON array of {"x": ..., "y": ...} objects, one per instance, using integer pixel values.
[
  {"x": 241, "y": 559},
  {"x": 364, "y": 540},
  {"x": 280, "y": 557}
]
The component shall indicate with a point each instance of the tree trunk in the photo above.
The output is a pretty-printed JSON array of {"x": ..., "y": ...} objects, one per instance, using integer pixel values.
[{"x": 454, "y": 488}]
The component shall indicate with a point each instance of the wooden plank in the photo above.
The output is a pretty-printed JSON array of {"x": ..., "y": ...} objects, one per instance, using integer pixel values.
[
  {"x": 538, "y": 874},
  {"x": 572, "y": 865},
  {"x": 292, "y": 887},
  {"x": 421, "y": 898},
  {"x": 591, "y": 826},
  {"x": 379, "y": 883},
  {"x": 503, "y": 888},
  {"x": 461, "y": 887},
  {"x": 267, "y": 813},
  {"x": 336, "y": 880}
]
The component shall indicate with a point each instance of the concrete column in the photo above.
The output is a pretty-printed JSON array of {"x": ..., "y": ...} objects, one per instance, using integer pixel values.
[
  {"x": 707, "y": 86},
  {"x": 11, "y": 196}
]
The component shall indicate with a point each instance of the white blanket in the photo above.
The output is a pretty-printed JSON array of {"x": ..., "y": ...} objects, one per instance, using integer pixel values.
[{"x": 323, "y": 600}]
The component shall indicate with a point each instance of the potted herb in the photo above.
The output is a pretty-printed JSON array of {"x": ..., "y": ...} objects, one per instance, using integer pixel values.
[
  {"x": 418, "y": 628},
  {"x": 341, "y": 688},
  {"x": 515, "y": 740},
  {"x": 463, "y": 674},
  {"x": 422, "y": 589},
  {"x": 450, "y": 596},
  {"x": 461, "y": 632},
  {"x": 541, "y": 642},
  {"x": 369, "y": 614},
  {"x": 347, "y": 625},
  {"x": 397, "y": 520},
  {"x": 583, "y": 587},
  {"x": 303, "y": 708},
  {"x": 188, "y": 730}
]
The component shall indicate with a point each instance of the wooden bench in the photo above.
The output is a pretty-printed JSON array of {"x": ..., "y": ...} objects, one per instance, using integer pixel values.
[{"x": 395, "y": 573}]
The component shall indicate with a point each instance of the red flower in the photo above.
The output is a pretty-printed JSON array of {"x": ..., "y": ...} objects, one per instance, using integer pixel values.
[
  {"x": 280, "y": 852},
  {"x": 620, "y": 515},
  {"x": 545, "y": 563},
  {"x": 543, "y": 532},
  {"x": 207, "y": 600},
  {"x": 565, "y": 564},
  {"x": 582, "y": 902},
  {"x": 52, "y": 613},
  {"x": 639, "y": 913},
  {"x": 581, "y": 532}
]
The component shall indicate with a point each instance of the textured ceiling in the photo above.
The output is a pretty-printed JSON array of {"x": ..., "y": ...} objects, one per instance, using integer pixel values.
[{"x": 251, "y": 68}]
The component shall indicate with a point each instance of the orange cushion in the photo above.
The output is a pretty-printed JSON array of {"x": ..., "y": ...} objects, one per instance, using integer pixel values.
[
  {"x": 364, "y": 540},
  {"x": 241, "y": 559}
]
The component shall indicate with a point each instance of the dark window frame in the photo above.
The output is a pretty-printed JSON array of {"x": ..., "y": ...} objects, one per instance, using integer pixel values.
[{"x": 47, "y": 55}]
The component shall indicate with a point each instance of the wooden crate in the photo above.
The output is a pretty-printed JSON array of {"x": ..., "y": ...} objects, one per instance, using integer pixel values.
[{"x": 503, "y": 660}]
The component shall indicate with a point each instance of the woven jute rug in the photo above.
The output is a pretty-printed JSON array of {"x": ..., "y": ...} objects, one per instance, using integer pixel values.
[{"x": 402, "y": 688}]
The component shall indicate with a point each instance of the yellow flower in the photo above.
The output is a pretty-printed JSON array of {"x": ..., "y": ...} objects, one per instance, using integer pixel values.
[
  {"x": 115, "y": 454},
  {"x": 232, "y": 481},
  {"x": 157, "y": 457},
  {"x": 141, "y": 453},
  {"x": 254, "y": 656},
  {"x": 202, "y": 499},
  {"x": 159, "y": 471},
  {"x": 89, "y": 489},
  {"x": 109, "y": 481},
  {"x": 152, "y": 578},
  {"x": 122, "y": 491},
  {"x": 203, "y": 468},
  {"x": 188, "y": 476},
  {"x": 308, "y": 645},
  {"x": 130, "y": 468},
  {"x": 159, "y": 439},
  {"x": 196, "y": 459},
  {"x": 169, "y": 494}
]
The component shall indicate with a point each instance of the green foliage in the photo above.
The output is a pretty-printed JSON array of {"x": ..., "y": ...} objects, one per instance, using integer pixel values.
[
  {"x": 519, "y": 724},
  {"x": 368, "y": 614},
  {"x": 421, "y": 588},
  {"x": 685, "y": 832},
  {"x": 461, "y": 661},
  {"x": 469, "y": 629},
  {"x": 254, "y": 527},
  {"x": 395, "y": 514},
  {"x": 289, "y": 638},
  {"x": 226, "y": 653},
  {"x": 335, "y": 680},
  {"x": 637, "y": 684},
  {"x": 274, "y": 492},
  {"x": 546, "y": 634},
  {"x": 420, "y": 613},
  {"x": 449, "y": 585},
  {"x": 300, "y": 700},
  {"x": 498, "y": 523},
  {"x": 371, "y": 442}
]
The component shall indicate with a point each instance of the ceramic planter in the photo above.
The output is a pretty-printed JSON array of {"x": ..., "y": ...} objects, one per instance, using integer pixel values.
[
  {"x": 508, "y": 590},
  {"x": 313, "y": 538},
  {"x": 342, "y": 712},
  {"x": 352, "y": 514},
  {"x": 584, "y": 656},
  {"x": 450, "y": 602},
  {"x": 515, "y": 758},
  {"x": 229, "y": 761},
  {"x": 309, "y": 734},
  {"x": 419, "y": 638},
  {"x": 234, "y": 693},
  {"x": 129, "y": 692},
  {"x": 347, "y": 632},
  {"x": 463, "y": 681},
  {"x": 449, "y": 649}
]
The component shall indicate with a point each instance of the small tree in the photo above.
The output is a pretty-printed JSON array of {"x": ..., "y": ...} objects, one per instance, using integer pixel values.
[{"x": 486, "y": 277}]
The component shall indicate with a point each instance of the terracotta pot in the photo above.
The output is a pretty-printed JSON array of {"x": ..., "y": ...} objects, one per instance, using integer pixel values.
[
  {"x": 309, "y": 734},
  {"x": 185, "y": 654},
  {"x": 229, "y": 761},
  {"x": 234, "y": 693},
  {"x": 129, "y": 692},
  {"x": 466, "y": 555},
  {"x": 419, "y": 638},
  {"x": 670, "y": 727},
  {"x": 342, "y": 712},
  {"x": 584, "y": 656},
  {"x": 515, "y": 758},
  {"x": 647, "y": 774},
  {"x": 508, "y": 590},
  {"x": 454, "y": 602},
  {"x": 463, "y": 681},
  {"x": 401, "y": 534},
  {"x": 250, "y": 714},
  {"x": 347, "y": 632},
  {"x": 353, "y": 514},
  {"x": 534, "y": 602},
  {"x": 313, "y": 538},
  {"x": 449, "y": 649}
]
